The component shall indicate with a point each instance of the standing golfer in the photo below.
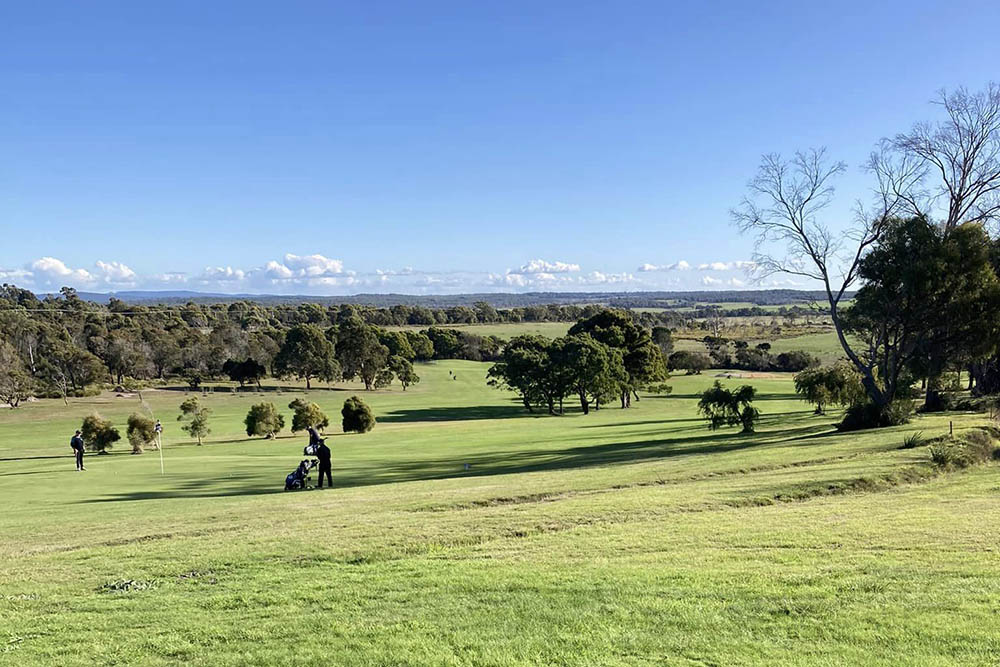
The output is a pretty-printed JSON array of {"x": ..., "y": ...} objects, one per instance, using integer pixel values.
[
  {"x": 158, "y": 431},
  {"x": 76, "y": 443},
  {"x": 323, "y": 454}
]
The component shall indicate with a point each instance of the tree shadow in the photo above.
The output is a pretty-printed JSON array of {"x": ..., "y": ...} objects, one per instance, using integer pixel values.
[
  {"x": 206, "y": 487},
  {"x": 458, "y": 413},
  {"x": 760, "y": 397},
  {"x": 36, "y": 472}
]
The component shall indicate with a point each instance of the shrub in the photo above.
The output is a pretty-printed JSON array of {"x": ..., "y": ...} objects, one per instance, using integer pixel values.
[
  {"x": 868, "y": 415},
  {"x": 972, "y": 447},
  {"x": 307, "y": 414},
  {"x": 197, "y": 426},
  {"x": 693, "y": 362},
  {"x": 914, "y": 440},
  {"x": 794, "y": 361},
  {"x": 140, "y": 432},
  {"x": 720, "y": 406},
  {"x": 98, "y": 433},
  {"x": 263, "y": 419},
  {"x": 838, "y": 385},
  {"x": 357, "y": 416}
]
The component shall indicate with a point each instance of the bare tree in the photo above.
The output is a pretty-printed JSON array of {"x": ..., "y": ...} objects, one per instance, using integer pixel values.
[
  {"x": 948, "y": 170},
  {"x": 786, "y": 199}
]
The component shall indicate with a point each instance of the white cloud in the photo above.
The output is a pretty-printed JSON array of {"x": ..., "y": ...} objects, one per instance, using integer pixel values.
[
  {"x": 726, "y": 266},
  {"x": 114, "y": 272},
  {"x": 15, "y": 275},
  {"x": 598, "y": 278},
  {"x": 170, "y": 278},
  {"x": 221, "y": 274},
  {"x": 50, "y": 269},
  {"x": 51, "y": 273},
  {"x": 676, "y": 266},
  {"x": 405, "y": 271},
  {"x": 542, "y": 266},
  {"x": 277, "y": 271},
  {"x": 313, "y": 265},
  {"x": 320, "y": 275},
  {"x": 711, "y": 281}
]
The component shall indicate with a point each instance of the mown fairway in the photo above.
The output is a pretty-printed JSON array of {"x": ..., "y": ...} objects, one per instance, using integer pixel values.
[{"x": 622, "y": 537}]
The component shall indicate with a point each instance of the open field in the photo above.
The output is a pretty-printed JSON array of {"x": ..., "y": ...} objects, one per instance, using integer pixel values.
[
  {"x": 505, "y": 330},
  {"x": 824, "y": 345},
  {"x": 621, "y": 537}
]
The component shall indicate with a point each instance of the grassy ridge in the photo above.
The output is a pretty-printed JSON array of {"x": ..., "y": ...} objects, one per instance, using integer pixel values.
[{"x": 621, "y": 537}]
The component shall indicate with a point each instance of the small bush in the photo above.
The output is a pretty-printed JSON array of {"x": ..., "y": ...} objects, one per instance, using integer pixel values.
[
  {"x": 969, "y": 405},
  {"x": 357, "y": 416},
  {"x": 263, "y": 419},
  {"x": 914, "y": 440},
  {"x": 140, "y": 432},
  {"x": 98, "y": 433},
  {"x": 868, "y": 415},
  {"x": 307, "y": 414}
]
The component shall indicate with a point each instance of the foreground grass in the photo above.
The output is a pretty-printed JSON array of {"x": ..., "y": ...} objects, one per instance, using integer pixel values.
[{"x": 463, "y": 531}]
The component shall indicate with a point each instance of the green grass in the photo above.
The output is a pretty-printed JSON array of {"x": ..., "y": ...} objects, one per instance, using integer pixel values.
[
  {"x": 621, "y": 537},
  {"x": 824, "y": 345}
]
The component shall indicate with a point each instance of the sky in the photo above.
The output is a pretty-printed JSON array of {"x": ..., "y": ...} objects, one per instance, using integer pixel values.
[{"x": 439, "y": 147}]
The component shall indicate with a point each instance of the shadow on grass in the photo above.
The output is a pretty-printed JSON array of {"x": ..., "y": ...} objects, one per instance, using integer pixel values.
[
  {"x": 459, "y": 413},
  {"x": 206, "y": 487},
  {"x": 760, "y": 397}
]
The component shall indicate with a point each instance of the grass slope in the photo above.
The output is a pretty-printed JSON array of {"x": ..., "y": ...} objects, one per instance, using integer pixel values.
[{"x": 621, "y": 537}]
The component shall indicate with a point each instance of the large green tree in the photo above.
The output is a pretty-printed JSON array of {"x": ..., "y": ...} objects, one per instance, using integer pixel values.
[
  {"x": 360, "y": 353},
  {"x": 306, "y": 353},
  {"x": 642, "y": 358},
  {"x": 591, "y": 370},
  {"x": 528, "y": 367},
  {"x": 926, "y": 296}
]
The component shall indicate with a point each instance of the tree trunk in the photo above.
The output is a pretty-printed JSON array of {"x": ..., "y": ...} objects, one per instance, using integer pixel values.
[
  {"x": 584, "y": 404},
  {"x": 933, "y": 401}
]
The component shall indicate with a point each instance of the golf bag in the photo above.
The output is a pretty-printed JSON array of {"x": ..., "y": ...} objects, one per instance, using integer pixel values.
[
  {"x": 310, "y": 450},
  {"x": 298, "y": 479}
]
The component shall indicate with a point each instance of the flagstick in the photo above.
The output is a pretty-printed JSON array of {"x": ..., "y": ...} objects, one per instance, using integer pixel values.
[{"x": 159, "y": 446}]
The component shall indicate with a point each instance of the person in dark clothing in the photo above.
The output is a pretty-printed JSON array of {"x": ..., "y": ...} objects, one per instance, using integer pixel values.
[
  {"x": 324, "y": 455},
  {"x": 76, "y": 443},
  {"x": 314, "y": 438}
]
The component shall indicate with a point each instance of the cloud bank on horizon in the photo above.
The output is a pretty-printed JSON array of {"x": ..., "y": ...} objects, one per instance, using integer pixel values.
[{"x": 323, "y": 276}]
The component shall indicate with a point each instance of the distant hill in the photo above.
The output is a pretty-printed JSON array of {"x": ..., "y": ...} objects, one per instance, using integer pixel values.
[{"x": 499, "y": 300}]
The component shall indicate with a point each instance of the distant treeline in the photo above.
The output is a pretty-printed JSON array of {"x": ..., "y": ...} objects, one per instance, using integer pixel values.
[
  {"x": 504, "y": 300},
  {"x": 63, "y": 345}
]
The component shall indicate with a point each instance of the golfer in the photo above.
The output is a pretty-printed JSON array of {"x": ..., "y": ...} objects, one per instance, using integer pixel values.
[
  {"x": 76, "y": 443},
  {"x": 323, "y": 454}
]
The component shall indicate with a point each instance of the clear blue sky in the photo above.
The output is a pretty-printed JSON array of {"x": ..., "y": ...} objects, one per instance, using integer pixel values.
[{"x": 461, "y": 140}]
